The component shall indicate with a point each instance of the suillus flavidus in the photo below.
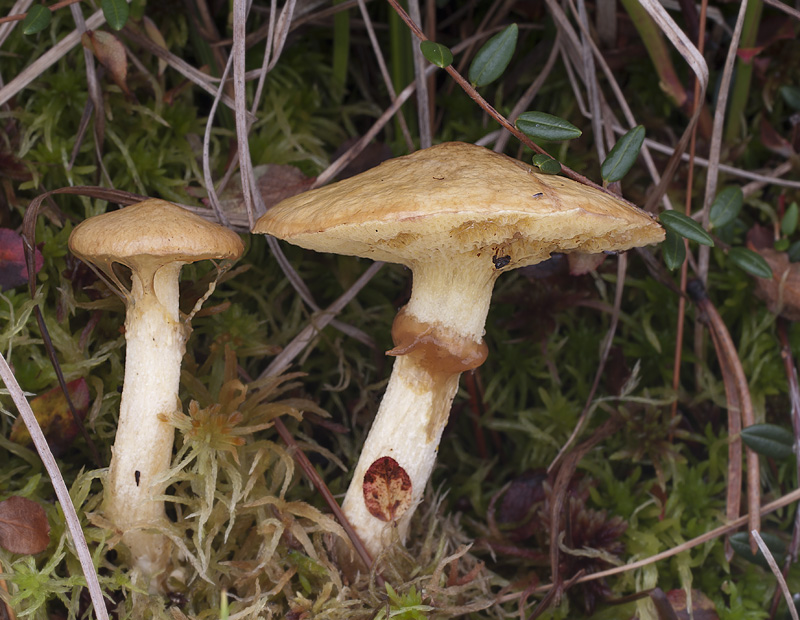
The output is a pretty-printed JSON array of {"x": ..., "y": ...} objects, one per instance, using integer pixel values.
[{"x": 458, "y": 216}]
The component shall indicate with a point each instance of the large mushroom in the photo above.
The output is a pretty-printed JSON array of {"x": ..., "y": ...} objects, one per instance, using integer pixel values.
[
  {"x": 458, "y": 216},
  {"x": 153, "y": 239}
]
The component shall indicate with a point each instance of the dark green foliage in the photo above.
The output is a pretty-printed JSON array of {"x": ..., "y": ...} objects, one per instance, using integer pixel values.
[
  {"x": 790, "y": 218},
  {"x": 769, "y": 440},
  {"x": 492, "y": 59},
  {"x": 116, "y": 13},
  {"x": 674, "y": 250},
  {"x": 37, "y": 19},
  {"x": 546, "y": 126},
  {"x": 685, "y": 226},
  {"x": 791, "y": 95},
  {"x": 621, "y": 158},
  {"x": 741, "y": 545},
  {"x": 752, "y": 262},
  {"x": 436, "y": 53},
  {"x": 726, "y": 206}
]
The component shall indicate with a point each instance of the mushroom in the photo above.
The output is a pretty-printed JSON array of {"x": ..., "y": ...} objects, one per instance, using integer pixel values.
[
  {"x": 153, "y": 239},
  {"x": 458, "y": 216}
]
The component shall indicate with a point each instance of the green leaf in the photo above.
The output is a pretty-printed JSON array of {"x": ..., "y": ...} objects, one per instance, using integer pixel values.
[
  {"x": 493, "y": 58},
  {"x": 116, "y": 13},
  {"x": 436, "y": 53},
  {"x": 791, "y": 95},
  {"x": 789, "y": 221},
  {"x": 769, "y": 440},
  {"x": 623, "y": 155},
  {"x": 781, "y": 245},
  {"x": 674, "y": 250},
  {"x": 546, "y": 126},
  {"x": 685, "y": 226},
  {"x": 726, "y": 206},
  {"x": 794, "y": 252},
  {"x": 550, "y": 166},
  {"x": 752, "y": 262},
  {"x": 740, "y": 541},
  {"x": 37, "y": 19},
  {"x": 538, "y": 159}
]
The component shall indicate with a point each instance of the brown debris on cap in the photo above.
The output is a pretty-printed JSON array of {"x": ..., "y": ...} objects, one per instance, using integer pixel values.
[
  {"x": 457, "y": 198},
  {"x": 152, "y": 228}
]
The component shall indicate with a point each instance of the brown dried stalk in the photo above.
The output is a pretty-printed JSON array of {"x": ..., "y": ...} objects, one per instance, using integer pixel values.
[{"x": 738, "y": 393}]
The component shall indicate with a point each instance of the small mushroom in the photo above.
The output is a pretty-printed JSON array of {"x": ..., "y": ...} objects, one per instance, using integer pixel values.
[
  {"x": 153, "y": 239},
  {"x": 458, "y": 216}
]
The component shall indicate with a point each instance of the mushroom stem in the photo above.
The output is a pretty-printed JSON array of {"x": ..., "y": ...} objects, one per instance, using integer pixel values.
[
  {"x": 438, "y": 335},
  {"x": 156, "y": 339}
]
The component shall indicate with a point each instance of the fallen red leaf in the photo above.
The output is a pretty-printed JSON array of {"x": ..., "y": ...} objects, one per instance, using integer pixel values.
[
  {"x": 781, "y": 292},
  {"x": 55, "y": 418},
  {"x": 111, "y": 54},
  {"x": 23, "y": 526},
  {"x": 703, "y": 608},
  {"x": 13, "y": 271}
]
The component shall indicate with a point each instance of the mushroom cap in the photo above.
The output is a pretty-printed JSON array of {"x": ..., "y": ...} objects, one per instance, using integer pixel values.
[
  {"x": 457, "y": 198},
  {"x": 152, "y": 229}
]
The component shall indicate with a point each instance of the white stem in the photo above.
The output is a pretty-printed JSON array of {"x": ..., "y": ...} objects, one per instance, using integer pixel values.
[
  {"x": 156, "y": 339},
  {"x": 451, "y": 296}
]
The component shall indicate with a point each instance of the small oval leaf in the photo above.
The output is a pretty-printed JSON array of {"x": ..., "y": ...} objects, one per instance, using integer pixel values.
[
  {"x": 674, "y": 250},
  {"x": 623, "y": 155},
  {"x": 740, "y": 541},
  {"x": 769, "y": 440},
  {"x": 781, "y": 245},
  {"x": 37, "y": 19},
  {"x": 493, "y": 58},
  {"x": 791, "y": 95},
  {"x": 752, "y": 262},
  {"x": 116, "y": 13},
  {"x": 726, "y": 206},
  {"x": 550, "y": 166},
  {"x": 24, "y": 527},
  {"x": 685, "y": 226},
  {"x": 538, "y": 159},
  {"x": 789, "y": 221},
  {"x": 436, "y": 53},
  {"x": 546, "y": 126},
  {"x": 794, "y": 252}
]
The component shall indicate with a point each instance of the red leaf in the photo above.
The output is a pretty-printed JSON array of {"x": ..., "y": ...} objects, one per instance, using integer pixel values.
[
  {"x": 55, "y": 418},
  {"x": 746, "y": 54},
  {"x": 387, "y": 489},
  {"x": 23, "y": 526},
  {"x": 781, "y": 292},
  {"x": 111, "y": 54},
  {"x": 13, "y": 271},
  {"x": 774, "y": 141},
  {"x": 703, "y": 608}
]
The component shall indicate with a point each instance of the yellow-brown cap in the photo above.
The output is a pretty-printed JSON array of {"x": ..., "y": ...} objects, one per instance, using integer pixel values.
[
  {"x": 457, "y": 198},
  {"x": 152, "y": 229}
]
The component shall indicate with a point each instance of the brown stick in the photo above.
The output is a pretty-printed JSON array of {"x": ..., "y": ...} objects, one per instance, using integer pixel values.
[
  {"x": 323, "y": 490},
  {"x": 727, "y": 351}
]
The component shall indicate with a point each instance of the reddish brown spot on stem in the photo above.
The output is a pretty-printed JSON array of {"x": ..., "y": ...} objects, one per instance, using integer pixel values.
[{"x": 387, "y": 489}]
